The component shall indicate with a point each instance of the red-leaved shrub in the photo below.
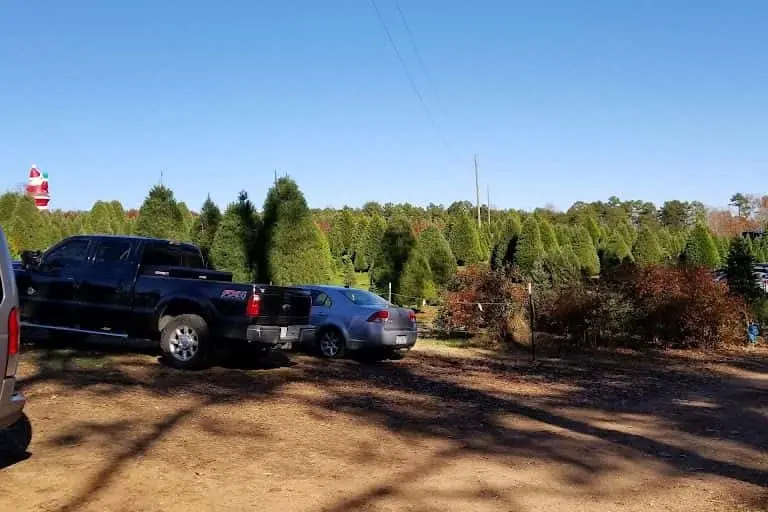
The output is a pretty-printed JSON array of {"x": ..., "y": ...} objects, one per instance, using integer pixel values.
[
  {"x": 685, "y": 307},
  {"x": 480, "y": 299}
]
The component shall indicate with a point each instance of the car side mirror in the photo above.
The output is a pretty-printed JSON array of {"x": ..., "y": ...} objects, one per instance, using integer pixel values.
[{"x": 31, "y": 259}]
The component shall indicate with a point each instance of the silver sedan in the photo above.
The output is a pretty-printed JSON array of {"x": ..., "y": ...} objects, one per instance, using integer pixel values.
[{"x": 349, "y": 319}]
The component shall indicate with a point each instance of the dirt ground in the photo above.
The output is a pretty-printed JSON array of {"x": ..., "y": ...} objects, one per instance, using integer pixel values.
[{"x": 446, "y": 429}]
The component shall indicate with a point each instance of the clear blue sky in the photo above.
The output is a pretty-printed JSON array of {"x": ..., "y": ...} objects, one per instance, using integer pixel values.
[{"x": 562, "y": 100}]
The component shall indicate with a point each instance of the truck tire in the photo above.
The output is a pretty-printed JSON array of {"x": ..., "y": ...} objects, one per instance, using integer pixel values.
[
  {"x": 330, "y": 343},
  {"x": 15, "y": 439},
  {"x": 186, "y": 342}
]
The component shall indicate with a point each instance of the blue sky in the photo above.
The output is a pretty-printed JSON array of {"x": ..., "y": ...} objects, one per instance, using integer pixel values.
[{"x": 562, "y": 100}]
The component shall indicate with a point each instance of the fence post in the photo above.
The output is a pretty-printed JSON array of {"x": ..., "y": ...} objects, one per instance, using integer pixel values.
[
  {"x": 532, "y": 321},
  {"x": 389, "y": 296}
]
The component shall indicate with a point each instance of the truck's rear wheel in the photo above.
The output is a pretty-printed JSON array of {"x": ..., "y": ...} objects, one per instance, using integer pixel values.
[
  {"x": 15, "y": 440},
  {"x": 185, "y": 341}
]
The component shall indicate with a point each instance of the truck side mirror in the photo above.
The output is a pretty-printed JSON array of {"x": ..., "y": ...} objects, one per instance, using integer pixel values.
[{"x": 31, "y": 259}]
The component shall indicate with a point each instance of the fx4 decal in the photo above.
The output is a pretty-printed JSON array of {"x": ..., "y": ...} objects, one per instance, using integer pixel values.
[{"x": 234, "y": 294}]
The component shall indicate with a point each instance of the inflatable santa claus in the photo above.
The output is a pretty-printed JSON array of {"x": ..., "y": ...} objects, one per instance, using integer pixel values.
[{"x": 37, "y": 187}]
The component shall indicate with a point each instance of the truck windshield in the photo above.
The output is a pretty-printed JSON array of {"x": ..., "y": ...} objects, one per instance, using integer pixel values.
[{"x": 172, "y": 255}]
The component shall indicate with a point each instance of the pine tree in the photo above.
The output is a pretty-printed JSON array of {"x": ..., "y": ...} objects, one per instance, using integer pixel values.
[
  {"x": 740, "y": 271},
  {"x": 585, "y": 251},
  {"x": 341, "y": 236},
  {"x": 571, "y": 260},
  {"x": 204, "y": 228},
  {"x": 361, "y": 228},
  {"x": 701, "y": 250},
  {"x": 117, "y": 214},
  {"x": 593, "y": 228},
  {"x": 416, "y": 282},
  {"x": 27, "y": 227},
  {"x": 187, "y": 220},
  {"x": 667, "y": 245},
  {"x": 233, "y": 248},
  {"x": 564, "y": 235},
  {"x": 293, "y": 246},
  {"x": 464, "y": 239},
  {"x": 549, "y": 241},
  {"x": 503, "y": 251},
  {"x": 616, "y": 250},
  {"x": 530, "y": 250},
  {"x": 348, "y": 271},
  {"x": 396, "y": 247},
  {"x": 159, "y": 215},
  {"x": 8, "y": 203},
  {"x": 562, "y": 266},
  {"x": 723, "y": 244},
  {"x": 100, "y": 219},
  {"x": 438, "y": 253},
  {"x": 647, "y": 250},
  {"x": 374, "y": 234}
]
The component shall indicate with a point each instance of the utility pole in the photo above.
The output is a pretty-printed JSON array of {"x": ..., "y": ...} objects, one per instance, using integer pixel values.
[
  {"x": 489, "y": 204},
  {"x": 477, "y": 191}
]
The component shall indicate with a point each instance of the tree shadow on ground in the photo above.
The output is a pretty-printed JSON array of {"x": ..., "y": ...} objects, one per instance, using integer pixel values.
[{"x": 431, "y": 395}]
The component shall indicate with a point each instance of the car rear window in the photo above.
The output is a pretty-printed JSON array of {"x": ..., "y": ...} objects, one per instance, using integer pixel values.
[{"x": 363, "y": 298}]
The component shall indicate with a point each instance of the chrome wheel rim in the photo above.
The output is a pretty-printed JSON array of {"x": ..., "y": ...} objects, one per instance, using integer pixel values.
[
  {"x": 184, "y": 343},
  {"x": 330, "y": 344}
]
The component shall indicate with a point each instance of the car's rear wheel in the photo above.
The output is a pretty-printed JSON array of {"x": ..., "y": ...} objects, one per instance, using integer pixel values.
[
  {"x": 185, "y": 342},
  {"x": 15, "y": 440},
  {"x": 331, "y": 344}
]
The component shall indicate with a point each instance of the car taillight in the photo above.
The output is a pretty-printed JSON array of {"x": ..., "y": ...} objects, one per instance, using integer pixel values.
[
  {"x": 379, "y": 316},
  {"x": 254, "y": 305},
  {"x": 14, "y": 333},
  {"x": 412, "y": 316}
]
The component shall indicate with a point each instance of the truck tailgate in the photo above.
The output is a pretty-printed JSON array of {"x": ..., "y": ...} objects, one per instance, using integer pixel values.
[{"x": 282, "y": 306}]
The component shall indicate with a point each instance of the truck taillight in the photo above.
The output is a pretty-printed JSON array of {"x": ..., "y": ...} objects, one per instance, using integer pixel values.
[
  {"x": 412, "y": 316},
  {"x": 14, "y": 333},
  {"x": 254, "y": 305},
  {"x": 379, "y": 316}
]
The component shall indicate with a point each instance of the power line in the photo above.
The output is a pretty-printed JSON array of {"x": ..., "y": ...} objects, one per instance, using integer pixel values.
[
  {"x": 411, "y": 79},
  {"x": 416, "y": 51}
]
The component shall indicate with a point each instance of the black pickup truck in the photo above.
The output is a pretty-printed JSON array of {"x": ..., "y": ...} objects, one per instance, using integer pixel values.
[{"x": 154, "y": 289}]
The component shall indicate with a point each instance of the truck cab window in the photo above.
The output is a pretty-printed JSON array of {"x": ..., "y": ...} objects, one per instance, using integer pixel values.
[
  {"x": 69, "y": 254},
  {"x": 190, "y": 257},
  {"x": 172, "y": 256},
  {"x": 112, "y": 251}
]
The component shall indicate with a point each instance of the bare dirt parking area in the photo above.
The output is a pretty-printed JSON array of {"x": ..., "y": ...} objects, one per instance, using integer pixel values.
[{"x": 444, "y": 429}]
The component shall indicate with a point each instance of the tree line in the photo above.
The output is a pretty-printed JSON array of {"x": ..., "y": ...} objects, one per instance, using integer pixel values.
[{"x": 416, "y": 249}]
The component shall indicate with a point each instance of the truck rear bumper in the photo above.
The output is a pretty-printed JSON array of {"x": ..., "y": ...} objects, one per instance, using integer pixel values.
[
  {"x": 11, "y": 403},
  {"x": 274, "y": 335}
]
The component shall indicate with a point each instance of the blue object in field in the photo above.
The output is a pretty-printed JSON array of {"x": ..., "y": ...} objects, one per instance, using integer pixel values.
[{"x": 752, "y": 332}]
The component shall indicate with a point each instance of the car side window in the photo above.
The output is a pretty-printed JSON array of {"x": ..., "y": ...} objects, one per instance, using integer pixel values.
[
  {"x": 112, "y": 251},
  {"x": 321, "y": 299},
  {"x": 68, "y": 254}
]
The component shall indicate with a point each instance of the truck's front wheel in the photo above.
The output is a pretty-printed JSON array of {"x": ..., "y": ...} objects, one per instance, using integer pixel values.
[{"x": 185, "y": 341}]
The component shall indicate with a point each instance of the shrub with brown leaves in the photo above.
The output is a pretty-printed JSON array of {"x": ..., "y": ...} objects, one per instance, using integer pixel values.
[{"x": 480, "y": 299}]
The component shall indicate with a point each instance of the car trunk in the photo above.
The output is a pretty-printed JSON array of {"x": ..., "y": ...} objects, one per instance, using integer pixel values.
[
  {"x": 283, "y": 306},
  {"x": 399, "y": 320}
]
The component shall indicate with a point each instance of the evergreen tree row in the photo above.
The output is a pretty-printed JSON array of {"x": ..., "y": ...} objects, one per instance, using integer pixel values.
[{"x": 417, "y": 250}]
